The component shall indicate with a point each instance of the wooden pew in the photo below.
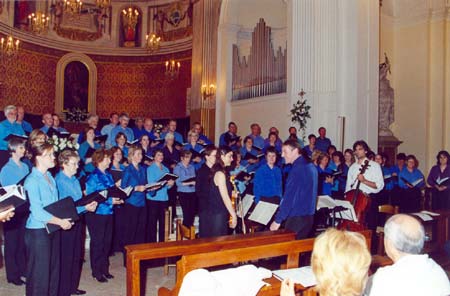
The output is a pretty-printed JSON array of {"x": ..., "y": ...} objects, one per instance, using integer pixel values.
[
  {"x": 293, "y": 250},
  {"x": 140, "y": 252}
]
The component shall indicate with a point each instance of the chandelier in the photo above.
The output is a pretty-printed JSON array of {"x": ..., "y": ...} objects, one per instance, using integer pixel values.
[
  {"x": 103, "y": 3},
  {"x": 8, "y": 46},
  {"x": 38, "y": 22},
  {"x": 152, "y": 42},
  {"x": 72, "y": 7},
  {"x": 172, "y": 68},
  {"x": 131, "y": 16}
]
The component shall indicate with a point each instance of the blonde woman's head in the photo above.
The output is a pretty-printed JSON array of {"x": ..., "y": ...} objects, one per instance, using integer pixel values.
[{"x": 340, "y": 262}]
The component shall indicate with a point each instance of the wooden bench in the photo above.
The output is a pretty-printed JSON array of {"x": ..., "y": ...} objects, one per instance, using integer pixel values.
[
  {"x": 141, "y": 252},
  {"x": 293, "y": 250}
]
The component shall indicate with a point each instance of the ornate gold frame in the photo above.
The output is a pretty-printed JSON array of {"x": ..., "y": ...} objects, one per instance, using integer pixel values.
[{"x": 60, "y": 68}]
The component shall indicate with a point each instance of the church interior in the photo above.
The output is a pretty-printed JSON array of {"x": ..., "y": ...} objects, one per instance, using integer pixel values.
[{"x": 372, "y": 70}]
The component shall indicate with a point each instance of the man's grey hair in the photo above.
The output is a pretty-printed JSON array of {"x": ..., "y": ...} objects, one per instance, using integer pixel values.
[
  {"x": 8, "y": 109},
  {"x": 404, "y": 239}
]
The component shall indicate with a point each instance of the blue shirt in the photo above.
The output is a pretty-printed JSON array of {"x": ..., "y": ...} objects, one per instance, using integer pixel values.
[
  {"x": 325, "y": 188},
  {"x": 223, "y": 140},
  {"x": 183, "y": 174},
  {"x": 387, "y": 171},
  {"x": 12, "y": 173},
  {"x": 7, "y": 128},
  {"x": 82, "y": 136},
  {"x": 134, "y": 177},
  {"x": 98, "y": 181},
  {"x": 244, "y": 162},
  {"x": 69, "y": 187},
  {"x": 45, "y": 128},
  {"x": 106, "y": 130},
  {"x": 205, "y": 139},
  {"x": 154, "y": 173},
  {"x": 241, "y": 185},
  {"x": 258, "y": 141},
  {"x": 410, "y": 177},
  {"x": 119, "y": 129},
  {"x": 26, "y": 126},
  {"x": 82, "y": 151},
  {"x": 40, "y": 193},
  {"x": 322, "y": 144},
  {"x": 267, "y": 182},
  {"x": 137, "y": 132},
  {"x": 300, "y": 194}
]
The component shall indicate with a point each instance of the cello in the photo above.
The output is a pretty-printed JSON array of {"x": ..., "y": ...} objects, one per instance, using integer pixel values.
[{"x": 360, "y": 202}]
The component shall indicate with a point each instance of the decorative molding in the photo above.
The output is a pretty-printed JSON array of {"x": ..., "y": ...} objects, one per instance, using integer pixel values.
[
  {"x": 87, "y": 48},
  {"x": 92, "y": 91}
]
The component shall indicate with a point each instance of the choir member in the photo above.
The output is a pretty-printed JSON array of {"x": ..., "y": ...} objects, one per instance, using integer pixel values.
[
  {"x": 411, "y": 180},
  {"x": 322, "y": 142},
  {"x": 230, "y": 137},
  {"x": 219, "y": 206},
  {"x": 148, "y": 130},
  {"x": 186, "y": 188},
  {"x": 157, "y": 201},
  {"x": 147, "y": 150},
  {"x": 47, "y": 120},
  {"x": 383, "y": 196},
  {"x": 106, "y": 130},
  {"x": 311, "y": 146},
  {"x": 293, "y": 136},
  {"x": 326, "y": 182},
  {"x": 250, "y": 161},
  {"x": 86, "y": 150},
  {"x": 202, "y": 139},
  {"x": 116, "y": 169},
  {"x": 255, "y": 134},
  {"x": 138, "y": 129},
  {"x": 236, "y": 168},
  {"x": 135, "y": 211},
  {"x": 172, "y": 129},
  {"x": 71, "y": 240},
  {"x": 43, "y": 249},
  {"x": 170, "y": 160},
  {"x": 26, "y": 126},
  {"x": 13, "y": 231},
  {"x": 273, "y": 141},
  {"x": 349, "y": 158},
  {"x": 267, "y": 181},
  {"x": 123, "y": 128},
  {"x": 202, "y": 184},
  {"x": 195, "y": 147},
  {"x": 441, "y": 190},
  {"x": 100, "y": 222},
  {"x": 57, "y": 124},
  {"x": 331, "y": 149},
  {"x": 92, "y": 121},
  {"x": 337, "y": 165},
  {"x": 7, "y": 127}
]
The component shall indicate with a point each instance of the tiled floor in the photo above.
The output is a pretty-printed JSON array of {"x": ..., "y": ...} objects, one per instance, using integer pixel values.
[{"x": 114, "y": 287}]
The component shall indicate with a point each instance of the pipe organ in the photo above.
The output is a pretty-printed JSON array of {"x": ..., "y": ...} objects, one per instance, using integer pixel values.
[{"x": 263, "y": 72}]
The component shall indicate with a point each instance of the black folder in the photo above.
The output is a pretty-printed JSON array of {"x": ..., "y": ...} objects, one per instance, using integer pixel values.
[
  {"x": 52, "y": 132},
  {"x": 101, "y": 138},
  {"x": 229, "y": 139},
  {"x": 87, "y": 199},
  {"x": 63, "y": 209},
  {"x": 242, "y": 175},
  {"x": 89, "y": 152},
  {"x": 118, "y": 192},
  {"x": 249, "y": 156},
  {"x": 195, "y": 153},
  {"x": 390, "y": 178},
  {"x": 443, "y": 181},
  {"x": 148, "y": 158},
  {"x": 189, "y": 180},
  {"x": 131, "y": 143},
  {"x": 64, "y": 135},
  {"x": 13, "y": 200},
  {"x": 167, "y": 177},
  {"x": 116, "y": 174},
  {"x": 259, "y": 149},
  {"x": 158, "y": 141},
  {"x": 15, "y": 136}
]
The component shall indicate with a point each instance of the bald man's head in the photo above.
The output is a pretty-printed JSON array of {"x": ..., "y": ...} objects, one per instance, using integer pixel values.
[{"x": 405, "y": 233}]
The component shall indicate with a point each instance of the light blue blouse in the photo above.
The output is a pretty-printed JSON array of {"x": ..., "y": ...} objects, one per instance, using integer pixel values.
[{"x": 69, "y": 187}]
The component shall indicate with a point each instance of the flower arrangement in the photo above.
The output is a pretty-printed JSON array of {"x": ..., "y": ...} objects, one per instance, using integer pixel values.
[
  {"x": 76, "y": 115},
  {"x": 158, "y": 127},
  {"x": 300, "y": 113},
  {"x": 59, "y": 144}
]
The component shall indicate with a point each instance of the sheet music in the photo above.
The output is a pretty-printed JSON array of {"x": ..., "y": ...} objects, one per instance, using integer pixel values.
[
  {"x": 415, "y": 183},
  {"x": 263, "y": 212},
  {"x": 247, "y": 202},
  {"x": 12, "y": 190},
  {"x": 325, "y": 201},
  {"x": 439, "y": 181},
  {"x": 423, "y": 216},
  {"x": 430, "y": 213},
  {"x": 302, "y": 275}
]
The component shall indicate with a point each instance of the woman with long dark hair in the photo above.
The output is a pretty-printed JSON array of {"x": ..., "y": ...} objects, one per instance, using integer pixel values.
[{"x": 220, "y": 207}]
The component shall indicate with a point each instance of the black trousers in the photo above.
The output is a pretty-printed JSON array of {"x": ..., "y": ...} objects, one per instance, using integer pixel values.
[
  {"x": 119, "y": 228},
  {"x": 188, "y": 201},
  {"x": 155, "y": 219},
  {"x": 216, "y": 224},
  {"x": 15, "y": 253},
  {"x": 43, "y": 262},
  {"x": 202, "y": 224},
  {"x": 302, "y": 225},
  {"x": 172, "y": 193},
  {"x": 71, "y": 259},
  {"x": 410, "y": 200},
  {"x": 100, "y": 230},
  {"x": 135, "y": 227}
]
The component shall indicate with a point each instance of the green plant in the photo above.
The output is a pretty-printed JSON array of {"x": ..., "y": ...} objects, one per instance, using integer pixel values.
[{"x": 300, "y": 113}]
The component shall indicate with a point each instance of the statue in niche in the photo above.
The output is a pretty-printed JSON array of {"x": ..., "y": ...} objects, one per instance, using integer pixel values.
[
  {"x": 386, "y": 100},
  {"x": 130, "y": 20},
  {"x": 76, "y": 86}
]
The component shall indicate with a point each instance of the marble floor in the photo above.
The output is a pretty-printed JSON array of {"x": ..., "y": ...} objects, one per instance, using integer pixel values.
[{"x": 114, "y": 287}]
